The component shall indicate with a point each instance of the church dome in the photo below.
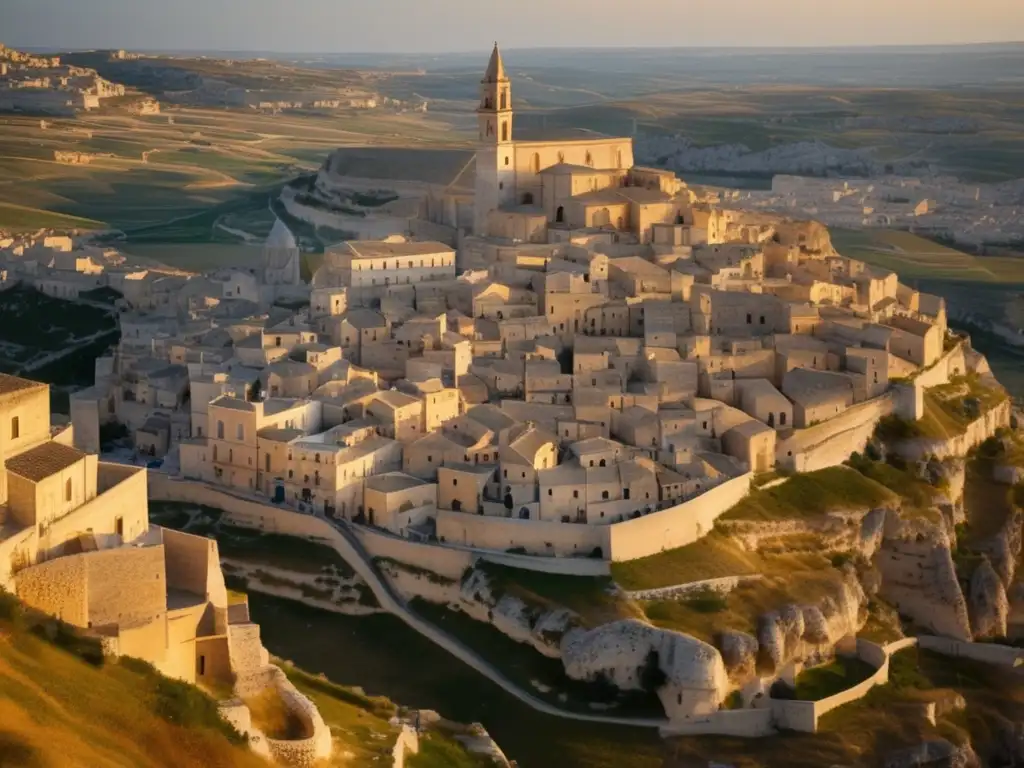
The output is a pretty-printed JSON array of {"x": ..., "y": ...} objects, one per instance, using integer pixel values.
[{"x": 281, "y": 238}]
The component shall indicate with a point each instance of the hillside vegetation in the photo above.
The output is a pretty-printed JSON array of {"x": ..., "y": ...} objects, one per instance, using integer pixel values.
[{"x": 58, "y": 710}]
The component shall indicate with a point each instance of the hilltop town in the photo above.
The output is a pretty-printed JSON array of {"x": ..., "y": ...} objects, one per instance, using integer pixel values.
[{"x": 564, "y": 363}]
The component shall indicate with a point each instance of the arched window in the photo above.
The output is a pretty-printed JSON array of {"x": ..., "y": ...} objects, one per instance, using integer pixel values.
[
  {"x": 602, "y": 463},
  {"x": 67, "y": 490},
  {"x": 487, "y": 103},
  {"x": 15, "y": 428},
  {"x": 504, "y": 131},
  {"x": 220, "y": 430},
  {"x": 504, "y": 99}
]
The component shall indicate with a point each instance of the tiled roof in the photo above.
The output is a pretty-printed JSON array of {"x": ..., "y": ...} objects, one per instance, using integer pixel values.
[
  {"x": 43, "y": 461},
  {"x": 12, "y": 384}
]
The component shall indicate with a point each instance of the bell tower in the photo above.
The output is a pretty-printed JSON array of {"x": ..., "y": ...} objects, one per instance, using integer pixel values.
[
  {"x": 495, "y": 110},
  {"x": 496, "y": 152}
]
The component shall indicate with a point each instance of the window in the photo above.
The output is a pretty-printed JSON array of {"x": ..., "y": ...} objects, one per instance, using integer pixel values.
[
  {"x": 762, "y": 319},
  {"x": 231, "y": 455},
  {"x": 782, "y": 419},
  {"x": 15, "y": 428},
  {"x": 67, "y": 490},
  {"x": 504, "y": 99},
  {"x": 119, "y": 526},
  {"x": 291, "y": 474},
  {"x": 220, "y": 430},
  {"x": 750, "y": 319},
  {"x": 455, "y": 481},
  {"x": 215, "y": 453},
  {"x": 590, "y": 159},
  {"x": 506, "y": 161},
  {"x": 575, "y": 494},
  {"x": 604, "y": 494},
  {"x": 202, "y": 665},
  {"x": 550, "y": 492},
  {"x": 625, "y": 493},
  {"x": 240, "y": 432},
  {"x": 267, "y": 462},
  {"x": 504, "y": 131},
  {"x": 316, "y": 458},
  {"x": 602, "y": 463},
  {"x": 277, "y": 341}
]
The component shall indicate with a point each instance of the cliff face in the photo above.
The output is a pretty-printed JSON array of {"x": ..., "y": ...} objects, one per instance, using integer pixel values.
[
  {"x": 623, "y": 652},
  {"x": 919, "y": 577}
]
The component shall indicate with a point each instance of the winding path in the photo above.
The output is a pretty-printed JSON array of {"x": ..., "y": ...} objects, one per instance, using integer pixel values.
[{"x": 349, "y": 547}]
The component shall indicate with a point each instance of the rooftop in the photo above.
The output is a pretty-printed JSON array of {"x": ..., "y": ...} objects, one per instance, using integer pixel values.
[
  {"x": 374, "y": 249},
  {"x": 11, "y": 384},
  {"x": 44, "y": 460}
]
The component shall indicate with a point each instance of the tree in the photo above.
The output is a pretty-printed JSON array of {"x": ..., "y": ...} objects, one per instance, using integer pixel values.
[{"x": 254, "y": 391}]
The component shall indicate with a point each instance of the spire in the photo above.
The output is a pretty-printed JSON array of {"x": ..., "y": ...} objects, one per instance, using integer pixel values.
[{"x": 495, "y": 67}]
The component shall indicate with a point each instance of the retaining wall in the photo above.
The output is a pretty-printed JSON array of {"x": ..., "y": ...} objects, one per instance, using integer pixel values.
[
  {"x": 831, "y": 442},
  {"x": 952, "y": 363},
  {"x": 989, "y": 653},
  {"x": 803, "y": 715},
  {"x": 675, "y": 527},
  {"x": 748, "y": 723}
]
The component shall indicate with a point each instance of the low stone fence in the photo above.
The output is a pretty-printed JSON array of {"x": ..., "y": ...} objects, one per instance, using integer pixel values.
[
  {"x": 301, "y": 753},
  {"x": 723, "y": 586},
  {"x": 803, "y": 715}
]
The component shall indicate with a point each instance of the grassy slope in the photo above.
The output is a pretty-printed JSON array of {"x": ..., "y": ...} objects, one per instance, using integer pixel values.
[
  {"x": 57, "y": 710},
  {"x": 810, "y": 495}
]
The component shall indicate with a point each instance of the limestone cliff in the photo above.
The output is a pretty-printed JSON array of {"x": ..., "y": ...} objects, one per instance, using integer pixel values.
[
  {"x": 987, "y": 604},
  {"x": 919, "y": 577},
  {"x": 540, "y": 626},
  {"x": 694, "y": 678}
]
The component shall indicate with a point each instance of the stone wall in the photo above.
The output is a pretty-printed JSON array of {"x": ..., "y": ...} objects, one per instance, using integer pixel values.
[
  {"x": 723, "y": 585},
  {"x": 831, "y": 442},
  {"x": 746, "y": 723},
  {"x": 674, "y": 527},
  {"x": 126, "y": 586},
  {"x": 803, "y": 715},
  {"x": 988, "y": 653},
  {"x": 975, "y": 433},
  {"x": 58, "y": 588},
  {"x": 952, "y": 363},
  {"x": 536, "y": 536},
  {"x": 300, "y": 753}
]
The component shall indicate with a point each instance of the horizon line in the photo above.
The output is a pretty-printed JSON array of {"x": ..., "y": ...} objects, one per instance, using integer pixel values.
[{"x": 575, "y": 48}]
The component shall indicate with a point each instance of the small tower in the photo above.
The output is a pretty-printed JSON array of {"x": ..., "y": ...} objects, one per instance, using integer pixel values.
[
  {"x": 495, "y": 156},
  {"x": 495, "y": 111}
]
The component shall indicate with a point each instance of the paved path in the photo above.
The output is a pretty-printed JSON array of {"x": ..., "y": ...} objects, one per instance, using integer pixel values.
[{"x": 64, "y": 351}]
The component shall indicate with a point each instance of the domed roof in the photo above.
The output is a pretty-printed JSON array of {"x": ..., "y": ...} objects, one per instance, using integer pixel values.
[{"x": 281, "y": 238}]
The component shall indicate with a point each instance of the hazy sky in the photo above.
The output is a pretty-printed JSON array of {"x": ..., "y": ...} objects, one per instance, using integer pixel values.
[{"x": 457, "y": 25}]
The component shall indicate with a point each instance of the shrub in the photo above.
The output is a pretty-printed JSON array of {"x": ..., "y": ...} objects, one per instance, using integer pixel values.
[
  {"x": 782, "y": 690},
  {"x": 706, "y": 601},
  {"x": 597, "y": 553},
  {"x": 11, "y": 608}
]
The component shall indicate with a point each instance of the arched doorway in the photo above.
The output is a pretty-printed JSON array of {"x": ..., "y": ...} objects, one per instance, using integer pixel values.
[{"x": 560, "y": 215}]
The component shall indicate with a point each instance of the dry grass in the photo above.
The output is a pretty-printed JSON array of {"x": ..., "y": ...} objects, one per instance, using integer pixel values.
[
  {"x": 714, "y": 556},
  {"x": 58, "y": 712},
  {"x": 812, "y": 494},
  {"x": 741, "y": 608}
]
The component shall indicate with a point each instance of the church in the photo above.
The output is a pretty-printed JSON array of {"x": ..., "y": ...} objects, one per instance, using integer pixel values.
[{"x": 531, "y": 191}]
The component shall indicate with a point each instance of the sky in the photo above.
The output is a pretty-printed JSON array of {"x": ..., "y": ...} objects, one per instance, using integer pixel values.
[{"x": 435, "y": 26}]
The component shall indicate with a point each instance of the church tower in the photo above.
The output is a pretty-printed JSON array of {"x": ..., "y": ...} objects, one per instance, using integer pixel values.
[
  {"x": 495, "y": 157},
  {"x": 495, "y": 111}
]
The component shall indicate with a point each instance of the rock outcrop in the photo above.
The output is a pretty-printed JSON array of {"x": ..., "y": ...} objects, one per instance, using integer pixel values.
[
  {"x": 809, "y": 633},
  {"x": 988, "y": 605},
  {"x": 935, "y": 753},
  {"x": 693, "y": 676},
  {"x": 919, "y": 577}
]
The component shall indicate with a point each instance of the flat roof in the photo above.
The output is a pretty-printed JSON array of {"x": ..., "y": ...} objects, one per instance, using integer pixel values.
[
  {"x": 44, "y": 460},
  {"x": 369, "y": 249}
]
